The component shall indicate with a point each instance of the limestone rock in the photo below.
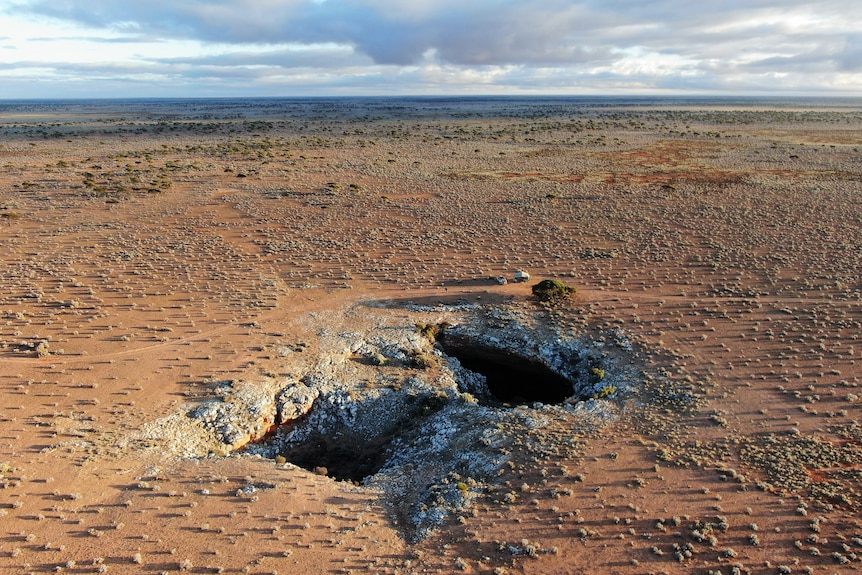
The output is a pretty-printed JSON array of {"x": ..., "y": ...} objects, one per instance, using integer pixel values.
[{"x": 295, "y": 401}]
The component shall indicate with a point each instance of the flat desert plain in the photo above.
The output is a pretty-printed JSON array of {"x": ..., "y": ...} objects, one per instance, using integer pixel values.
[{"x": 270, "y": 336}]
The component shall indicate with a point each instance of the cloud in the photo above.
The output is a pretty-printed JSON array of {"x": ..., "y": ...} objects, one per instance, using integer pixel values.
[
  {"x": 850, "y": 56},
  {"x": 93, "y": 39},
  {"x": 589, "y": 44},
  {"x": 302, "y": 56},
  {"x": 477, "y": 32}
]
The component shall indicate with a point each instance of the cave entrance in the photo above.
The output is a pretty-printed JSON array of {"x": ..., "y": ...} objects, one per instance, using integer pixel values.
[
  {"x": 346, "y": 454},
  {"x": 511, "y": 379},
  {"x": 341, "y": 458}
]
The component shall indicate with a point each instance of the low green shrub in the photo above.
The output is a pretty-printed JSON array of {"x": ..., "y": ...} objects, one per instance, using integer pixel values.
[{"x": 552, "y": 291}]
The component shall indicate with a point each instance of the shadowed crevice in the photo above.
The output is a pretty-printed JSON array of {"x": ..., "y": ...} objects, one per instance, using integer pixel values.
[{"x": 510, "y": 378}]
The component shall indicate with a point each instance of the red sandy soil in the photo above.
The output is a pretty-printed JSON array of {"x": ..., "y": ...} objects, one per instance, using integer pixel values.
[{"x": 155, "y": 254}]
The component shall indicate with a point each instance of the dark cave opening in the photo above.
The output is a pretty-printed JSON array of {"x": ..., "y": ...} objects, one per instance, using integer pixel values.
[
  {"x": 511, "y": 379},
  {"x": 342, "y": 458},
  {"x": 348, "y": 455}
]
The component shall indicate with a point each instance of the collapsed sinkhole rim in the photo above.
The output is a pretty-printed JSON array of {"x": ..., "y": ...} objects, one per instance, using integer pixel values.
[
  {"x": 569, "y": 388},
  {"x": 362, "y": 452}
]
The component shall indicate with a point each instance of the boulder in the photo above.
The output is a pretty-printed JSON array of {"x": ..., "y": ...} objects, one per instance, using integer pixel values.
[{"x": 295, "y": 401}]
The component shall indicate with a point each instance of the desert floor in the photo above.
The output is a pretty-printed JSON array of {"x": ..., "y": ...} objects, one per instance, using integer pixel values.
[{"x": 152, "y": 251}]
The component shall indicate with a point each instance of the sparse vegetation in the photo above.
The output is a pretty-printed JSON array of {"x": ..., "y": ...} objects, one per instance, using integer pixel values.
[
  {"x": 552, "y": 291},
  {"x": 605, "y": 392},
  {"x": 238, "y": 224}
]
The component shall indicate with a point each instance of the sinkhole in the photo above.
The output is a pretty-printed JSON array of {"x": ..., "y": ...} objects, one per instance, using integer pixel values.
[
  {"x": 343, "y": 459},
  {"x": 352, "y": 455},
  {"x": 511, "y": 379}
]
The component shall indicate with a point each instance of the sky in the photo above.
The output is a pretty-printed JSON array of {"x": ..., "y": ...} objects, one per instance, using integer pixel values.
[{"x": 284, "y": 48}]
